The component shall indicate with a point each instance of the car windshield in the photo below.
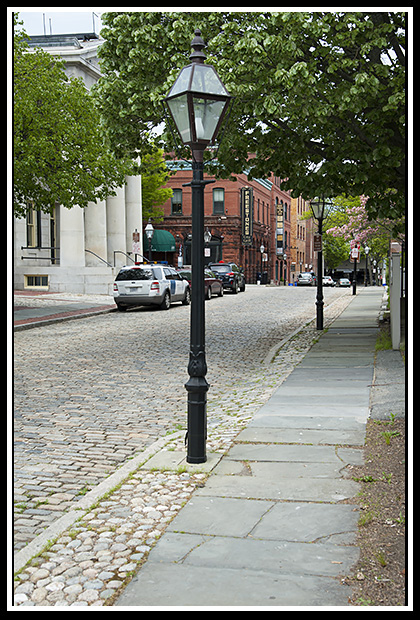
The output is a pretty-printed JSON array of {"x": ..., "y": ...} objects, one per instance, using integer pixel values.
[
  {"x": 136, "y": 274},
  {"x": 221, "y": 268}
]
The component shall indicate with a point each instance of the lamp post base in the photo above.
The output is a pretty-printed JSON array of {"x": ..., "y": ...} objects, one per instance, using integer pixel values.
[
  {"x": 197, "y": 387},
  {"x": 320, "y": 315}
]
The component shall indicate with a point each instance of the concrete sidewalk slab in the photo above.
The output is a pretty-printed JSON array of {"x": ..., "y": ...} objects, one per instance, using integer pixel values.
[
  {"x": 352, "y": 359},
  {"x": 310, "y": 410},
  {"x": 389, "y": 390},
  {"x": 268, "y": 555},
  {"x": 308, "y": 376},
  {"x": 170, "y": 584},
  {"x": 302, "y": 435}
]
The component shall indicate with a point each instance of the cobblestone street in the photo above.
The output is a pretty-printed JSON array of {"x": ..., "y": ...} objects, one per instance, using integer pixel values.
[{"x": 90, "y": 394}]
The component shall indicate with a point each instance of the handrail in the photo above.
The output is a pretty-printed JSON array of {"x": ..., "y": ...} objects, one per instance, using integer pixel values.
[
  {"x": 38, "y": 247},
  {"x": 137, "y": 254},
  {"x": 102, "y": 259},
  {"x": 38, "y": 258},
  {"x": 121, "y": 252},
  {"x": 55, "y": 260}
]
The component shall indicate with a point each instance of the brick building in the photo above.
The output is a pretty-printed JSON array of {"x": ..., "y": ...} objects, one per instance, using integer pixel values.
[
  {"x": 302, "y": 255},
  {"x": 224, "y": 203}
]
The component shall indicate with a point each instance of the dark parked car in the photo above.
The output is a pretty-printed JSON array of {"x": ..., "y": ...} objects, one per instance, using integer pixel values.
[
  {"x": 232, "y": 277},
  {"x": 212, "y": 284}
]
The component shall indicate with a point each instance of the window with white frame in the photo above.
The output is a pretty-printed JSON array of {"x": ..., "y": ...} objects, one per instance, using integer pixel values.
[
  {"x": 36, "y": 281},
  {"x": 33, "y": 227},
  {"x": 218, "y": 201},
  {"x": 176, "y": 202}
]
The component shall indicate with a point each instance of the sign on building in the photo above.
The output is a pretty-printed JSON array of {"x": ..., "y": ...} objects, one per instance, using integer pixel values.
[
  {"x": 247, "y": 210},
  {"x": 279, "y": 229},
  {"x": 136, "y": 242}
]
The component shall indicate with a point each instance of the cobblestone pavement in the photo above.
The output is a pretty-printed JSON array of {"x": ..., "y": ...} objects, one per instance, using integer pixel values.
[{"x": 90, "y": 394}]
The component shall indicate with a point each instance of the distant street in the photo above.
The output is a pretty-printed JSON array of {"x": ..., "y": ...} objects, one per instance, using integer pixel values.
[{"x": 91, "y": 393}]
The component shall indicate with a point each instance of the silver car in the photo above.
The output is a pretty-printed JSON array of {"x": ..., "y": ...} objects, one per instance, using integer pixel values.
[
  {"x": 150, "y": 285},
  {"x": 305, "y": 279},
  {"x": 327, "y": 281}
]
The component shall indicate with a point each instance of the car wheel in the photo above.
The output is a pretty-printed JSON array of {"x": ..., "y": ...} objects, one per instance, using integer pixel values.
[
  {"x": 121, "y": 308},
  {"x": 166, "y": 303},
  {"x": 235, "y": 288},
  {"x": 208, "y": 294},
  {"x": 221, "y": 292},
  {"x": 187, "y": 298},
  {"x": 243, "y": 287}
]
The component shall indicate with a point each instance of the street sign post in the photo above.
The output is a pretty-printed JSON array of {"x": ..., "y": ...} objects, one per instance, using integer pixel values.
[{"x": 318, "y": 243}]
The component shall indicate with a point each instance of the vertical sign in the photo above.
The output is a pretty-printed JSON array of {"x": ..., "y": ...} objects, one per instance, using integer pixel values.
[
  {"x": 247, "y": 209},
  {"x": 136, "y": 243},
  {"x": 279, "y": 229}
]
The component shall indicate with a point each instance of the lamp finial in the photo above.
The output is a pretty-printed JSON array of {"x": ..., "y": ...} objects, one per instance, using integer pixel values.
[{"x": 198, "y": 44}]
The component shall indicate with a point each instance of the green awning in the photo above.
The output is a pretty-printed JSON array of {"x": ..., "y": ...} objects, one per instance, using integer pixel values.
[{"x": 162, "y": 241}]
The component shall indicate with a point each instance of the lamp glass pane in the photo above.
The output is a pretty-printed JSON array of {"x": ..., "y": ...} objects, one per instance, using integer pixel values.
[
  {"x": 317, "y": 207},
  {"x": 179, "y": 111},
  {"x": 207, "y": 114},
  {"x": 182, "y": 81},
  {"x": 206, "y": 80}
]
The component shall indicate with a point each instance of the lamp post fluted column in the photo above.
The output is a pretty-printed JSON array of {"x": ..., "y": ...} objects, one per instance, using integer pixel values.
[
  {"x": 319, "y": 294},
  {"x": 197, "y": 385}
]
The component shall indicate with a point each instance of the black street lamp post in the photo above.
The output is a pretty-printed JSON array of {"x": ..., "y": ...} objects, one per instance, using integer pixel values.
[
  {"x": 262, "y": 248},
  {"x": 197, "y": 103},
  {"x": 320, "y": 208},
  {"x": 149, "y": 230},
  {"x": 367, "y": 248}
]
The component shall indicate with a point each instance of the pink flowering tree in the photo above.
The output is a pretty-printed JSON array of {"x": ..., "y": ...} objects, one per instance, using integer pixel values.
[{"x": 358, "y": 227}]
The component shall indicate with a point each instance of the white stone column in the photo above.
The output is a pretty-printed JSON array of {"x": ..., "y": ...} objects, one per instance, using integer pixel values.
[
  {"x": 115, "y": 223},
  {"x": 95, "y": 233},
  {"x": 395, "y": 300},
  {"x": 133, "y": 209},
  {"x": 72, "y": 237},
  {"x": 19, "y": 229}
]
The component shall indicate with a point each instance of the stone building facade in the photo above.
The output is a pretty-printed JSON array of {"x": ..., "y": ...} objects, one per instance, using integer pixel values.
[{"x": 77, "y": 250}]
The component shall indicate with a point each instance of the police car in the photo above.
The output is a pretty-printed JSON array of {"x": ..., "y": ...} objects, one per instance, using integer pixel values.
[{"x": 150, "y": 285}]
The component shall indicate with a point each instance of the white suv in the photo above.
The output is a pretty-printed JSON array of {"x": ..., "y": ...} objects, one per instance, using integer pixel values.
[{"x": 146, "y": 285}]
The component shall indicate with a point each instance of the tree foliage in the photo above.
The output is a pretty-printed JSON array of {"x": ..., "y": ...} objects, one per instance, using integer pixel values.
[
  {"x": 154, "y": 174},
  {"x": 60, "y": 154},
  {"x": 319, "y": 96}
]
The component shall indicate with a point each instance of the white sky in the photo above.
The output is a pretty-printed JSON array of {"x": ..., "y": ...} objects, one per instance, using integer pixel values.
[
  {"x": 60, "y": 21},
  {"x": 68, "y": 20}
]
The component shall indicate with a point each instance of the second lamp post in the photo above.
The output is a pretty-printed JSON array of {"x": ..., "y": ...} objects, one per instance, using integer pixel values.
[
  {"x": 197, "y": 102},
  {"x": 320, "y": 209}
]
